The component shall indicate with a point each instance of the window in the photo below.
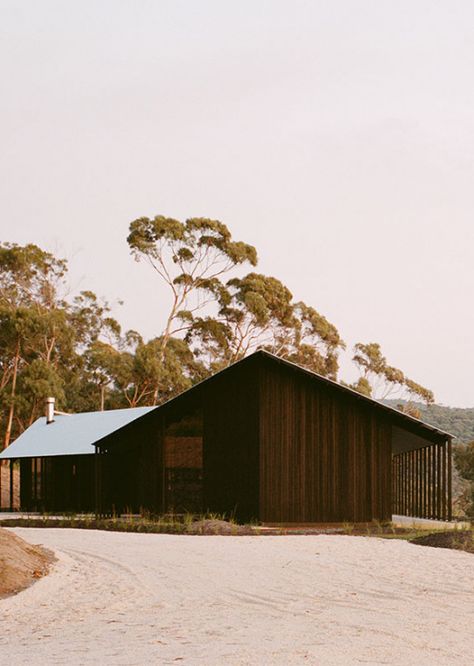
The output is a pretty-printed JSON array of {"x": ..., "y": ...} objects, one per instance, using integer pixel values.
[{"x": 183, "y": 464}]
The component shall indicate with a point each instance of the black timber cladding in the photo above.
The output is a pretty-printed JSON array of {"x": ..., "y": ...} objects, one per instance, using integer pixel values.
[{"x": 280, "y": 444}]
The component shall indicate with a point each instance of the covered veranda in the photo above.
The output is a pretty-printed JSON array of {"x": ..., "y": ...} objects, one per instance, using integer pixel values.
[{"x": 422, "y": 473}]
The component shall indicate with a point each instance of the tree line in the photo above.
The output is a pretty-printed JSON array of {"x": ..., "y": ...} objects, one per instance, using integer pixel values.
[
  {"x": 457, "y": 421},
  {"x": 70, "y": 346}
]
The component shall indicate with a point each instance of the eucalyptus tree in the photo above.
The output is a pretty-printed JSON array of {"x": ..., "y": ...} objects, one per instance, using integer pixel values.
[
  {"x": 251, "y": 311},
  {"x": 257, "y": 311},
  {"x": 97, "y": 336},
  {"x": 32, "y": 317},
  {"x": 381, "y": 380},
  {"x": 139, "y": 374},
  {"x": 191, "y": 257},
  {"x": 312, "y": 341},
  {"x": 43, "y": 336}
]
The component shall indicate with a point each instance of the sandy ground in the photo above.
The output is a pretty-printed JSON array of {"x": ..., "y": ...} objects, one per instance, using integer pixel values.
[
  {"x": 116, "y": 598},
  {"x": 20, "y": 563}
]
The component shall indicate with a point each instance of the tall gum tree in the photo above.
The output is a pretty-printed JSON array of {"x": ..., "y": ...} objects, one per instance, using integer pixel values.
[
  {"x": 30, "y": 313},
  {"x": 43, "y": 337},
  {"x": 258, "y": 312},
  {"x": 191, "y": 257},
  {"x": 136, "y": 372},
  {"x": 380, "y": 380}
]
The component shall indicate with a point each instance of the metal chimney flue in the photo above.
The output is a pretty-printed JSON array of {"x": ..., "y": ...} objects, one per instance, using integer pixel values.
[{"x": 49, "y": 410}]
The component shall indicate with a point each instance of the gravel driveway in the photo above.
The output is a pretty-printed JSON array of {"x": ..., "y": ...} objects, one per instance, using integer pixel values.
[{"x": 115, "y": 598}]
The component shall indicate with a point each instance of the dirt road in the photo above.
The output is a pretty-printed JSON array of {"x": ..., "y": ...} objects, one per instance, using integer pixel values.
[{"x": 131, "y": 599}]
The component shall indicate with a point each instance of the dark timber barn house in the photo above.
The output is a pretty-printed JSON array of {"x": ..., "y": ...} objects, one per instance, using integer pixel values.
[{"x": 268, "y": 440}]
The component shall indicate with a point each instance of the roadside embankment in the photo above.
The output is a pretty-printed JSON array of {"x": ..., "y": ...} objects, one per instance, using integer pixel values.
[{"x": 20, "y": 563}]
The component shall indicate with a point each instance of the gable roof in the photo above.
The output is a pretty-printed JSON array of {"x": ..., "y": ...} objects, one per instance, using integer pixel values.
[
  {"x": 396, "y": 413},
  {"x": 400, "y": 419},
  {"x": 70, "y": 435},
  {"x": 76, "y": 434}
]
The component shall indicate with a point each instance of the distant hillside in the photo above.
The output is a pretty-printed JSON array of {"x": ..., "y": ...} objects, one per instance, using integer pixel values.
[{"x": 455, "y": 420}]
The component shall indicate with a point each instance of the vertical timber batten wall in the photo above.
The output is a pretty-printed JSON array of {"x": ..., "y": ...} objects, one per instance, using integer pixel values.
[
  {"x": 280, "y": 445},
  {"x": 231, "y": 442},
  {"x": 129, "y": 473},
  {"x": 422, "y": 482},
  {"x": 323, "y": 456},
  {"x": 57, "y": 483},
  {"x": 132, "y": 470}
]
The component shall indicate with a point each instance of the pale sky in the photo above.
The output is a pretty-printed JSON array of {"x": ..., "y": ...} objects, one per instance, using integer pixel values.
[{"x": 337, "y": 137}]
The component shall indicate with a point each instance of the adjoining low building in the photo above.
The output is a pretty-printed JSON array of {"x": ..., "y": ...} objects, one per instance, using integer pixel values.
[
  {"x": 56, "y": 457},
  {"x": 263, "y": 439}
]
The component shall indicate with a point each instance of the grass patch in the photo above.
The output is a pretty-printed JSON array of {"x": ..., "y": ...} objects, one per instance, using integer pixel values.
[
  {"x": 167, "y": 524},
  {"x": 215, "y": 524}
]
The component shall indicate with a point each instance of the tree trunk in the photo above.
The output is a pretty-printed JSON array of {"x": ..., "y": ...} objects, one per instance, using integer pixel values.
[{"x": 11, "y": 411}]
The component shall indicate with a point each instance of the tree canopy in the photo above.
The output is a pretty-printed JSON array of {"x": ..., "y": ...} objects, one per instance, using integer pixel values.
[
  {"x": 70, "y": 346},
  {"x": 223, "y": 314},
  {"x": 380, "y": 380}
]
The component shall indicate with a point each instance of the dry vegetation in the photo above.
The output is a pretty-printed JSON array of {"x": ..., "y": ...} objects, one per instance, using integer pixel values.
[
  {"x": 456, "y": 540},
  {"x": 214, "y": 524}
]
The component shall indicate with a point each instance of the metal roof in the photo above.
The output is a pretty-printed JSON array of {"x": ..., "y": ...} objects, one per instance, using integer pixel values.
[
  {"x": 70, "y": 435},
  {"x": 404, "y": 420},
  {"x": 77, "y": 433}
]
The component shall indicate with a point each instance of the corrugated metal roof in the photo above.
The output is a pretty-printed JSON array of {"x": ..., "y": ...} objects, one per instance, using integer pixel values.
[{"x": 70, "y": 435}]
